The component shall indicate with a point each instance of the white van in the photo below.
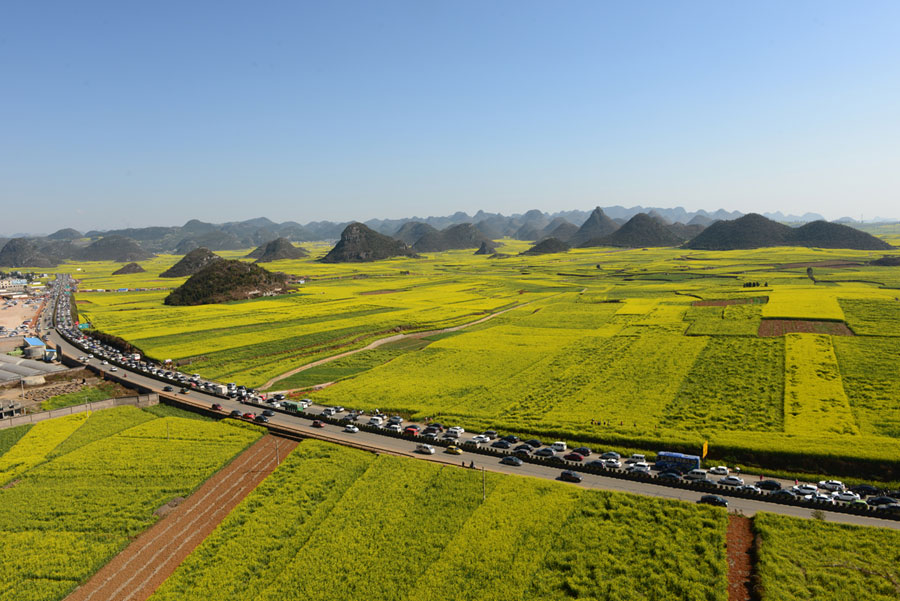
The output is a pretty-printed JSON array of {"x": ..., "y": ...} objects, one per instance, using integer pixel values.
[
  {"x": 559, "y": 446},
  {"x": 376, "y": 421},
  {"x": 695, "y": 475}
]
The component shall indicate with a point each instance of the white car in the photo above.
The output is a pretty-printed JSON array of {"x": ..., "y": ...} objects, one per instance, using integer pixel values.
[
  {"x": 458, "y": 430},
  {"x": 719, "y": 470},
  {"x": 731, "y": 481},
  {"x": 845, "y": 496},
  {"x": 639, "y": 467},
  {"x": 822, "y": 498},
  {"x": 394, "y": 428},
  {"x": 425, "y": 449},
  {"x": 831, "y": 485},
  {"x": 806, "y": 490},
  {"x": 351, "y": 429},
  {"x": 612, "y": 464},
  {"x": 480, "y": 439},
  {"x": 113, "y": 368}
]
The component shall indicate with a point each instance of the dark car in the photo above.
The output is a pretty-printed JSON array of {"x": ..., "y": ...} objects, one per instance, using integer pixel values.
[
  {"x": 534, "y": 443},
  {"x": 262, "y": 419},
  {"x": 570, "y": 476},
  {"x": 318, "y": 424},
  {"x": 524, "y": 447},
  {"x": 865, "y": 490},
  {"x": 510, "y": 438},
  {"x": 596, "y": 463},
  {"x": 492, "y": 434},
  {"x": 574, "y": 457},
  {"x": 510, "y": 460},
  {"x": 879, "y": 501},
  {"x": 783, "y": 494},
  {"x": 522, "y": 453},
  {"x": 610, "y": 455},
  {"x": 235, "y": 413},
  {"x": 501, "y": 444},
  {"x": 431, "y": 430},
  {"x": 545, "y": 452},
  {"x": 716, "y": 500},
  {"x": 217, "y": 407},
  {"x": 168, "y": 389},
  {"x": 583, "y": 451},
  {"x": 770, "y": 485},
  {"x": 268, "y": 412},
  {"x": 671, "y": 476}
]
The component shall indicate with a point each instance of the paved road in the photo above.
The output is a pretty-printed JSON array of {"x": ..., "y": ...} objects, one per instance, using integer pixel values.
[{"x": 389, "y": 444}]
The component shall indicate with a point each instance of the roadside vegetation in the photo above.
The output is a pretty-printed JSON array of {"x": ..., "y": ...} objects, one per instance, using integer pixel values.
[{"x": 88, "y": 394}]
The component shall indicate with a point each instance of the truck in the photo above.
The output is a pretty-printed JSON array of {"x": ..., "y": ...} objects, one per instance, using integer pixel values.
[{"x": 221, "y": 389}]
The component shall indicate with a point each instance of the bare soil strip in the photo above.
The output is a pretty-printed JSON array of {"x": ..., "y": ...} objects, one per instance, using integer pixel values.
[
  {"x": 136, "y": 572},
  {"x": 383, "y": 341},
  {"x": 739, "y": 541}
]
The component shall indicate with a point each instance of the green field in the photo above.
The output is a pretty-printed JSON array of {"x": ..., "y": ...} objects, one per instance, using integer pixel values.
[
  {"x": 660, "y": 346},
  {"x": 76, "y": 489},
  {"x": 335, "y": 523},
  {"x": 808, "y": 559}
]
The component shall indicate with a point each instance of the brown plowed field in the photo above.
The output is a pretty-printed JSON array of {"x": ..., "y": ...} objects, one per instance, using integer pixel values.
[
  {"x": 780, "y": 327},
  {"x": 137, "y": 571}
]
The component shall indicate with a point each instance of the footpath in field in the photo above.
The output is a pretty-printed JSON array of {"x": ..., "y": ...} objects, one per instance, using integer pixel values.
[
  {"x": 382, "y": 342},
  {"x": 739, "y": 542},
  {"x": 139, "y": 569}
]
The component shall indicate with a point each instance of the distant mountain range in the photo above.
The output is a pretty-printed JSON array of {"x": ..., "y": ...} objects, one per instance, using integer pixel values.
[
  {"x": 257, "y": 231},
  {"x": 610, "y": 226}
]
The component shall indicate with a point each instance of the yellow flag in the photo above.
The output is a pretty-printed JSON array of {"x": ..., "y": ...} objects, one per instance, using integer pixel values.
[{"x": 705, "y": 448}]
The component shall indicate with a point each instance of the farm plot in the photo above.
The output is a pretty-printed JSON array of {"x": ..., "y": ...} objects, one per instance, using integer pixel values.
[
  {"x": 329, "y": 506},
  {"x": 735, "y": 384},
  {"x": 780, "y": 327},
  {"x": 809, "y": 559},
  {"x": 803, "y": 302},
  {"x": 872, "y": 317},
  {"x": 80, "y": 501},
  {"x": 870, "y": 372},
  {"x": 727, "y": 320},
  {"x": 814, "y": 398}
]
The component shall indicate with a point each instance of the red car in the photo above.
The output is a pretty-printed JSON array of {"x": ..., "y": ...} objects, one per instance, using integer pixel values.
[
  {"x": 217, "y": 407},
  {"x": 249, "y": 416},
  {"x": 318, "y": 424},
  {"x": 573, "y": 457},
  {"x": 411, "y": 429}
]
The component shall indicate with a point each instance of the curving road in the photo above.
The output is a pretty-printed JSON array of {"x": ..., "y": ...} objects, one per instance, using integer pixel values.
[{"x": 387, "y": 444}]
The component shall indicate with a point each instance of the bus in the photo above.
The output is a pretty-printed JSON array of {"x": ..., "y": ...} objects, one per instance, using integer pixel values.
[{"x": 667, "y": 461}]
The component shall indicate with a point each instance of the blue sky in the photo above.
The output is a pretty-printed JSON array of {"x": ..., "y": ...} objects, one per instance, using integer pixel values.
[{"x": 151, "y": 113}]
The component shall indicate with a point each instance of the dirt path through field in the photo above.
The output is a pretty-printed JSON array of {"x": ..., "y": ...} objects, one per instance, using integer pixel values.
[
  {"x": 739, "y": 541},
  {"x": 136, "y": 572},
  {"x": 383, "y": 341}
]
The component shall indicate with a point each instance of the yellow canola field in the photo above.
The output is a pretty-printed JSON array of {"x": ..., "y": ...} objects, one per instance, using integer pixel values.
[
  {"x": 34, "y": 447},
  {"x": 814, "y": 398}
]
